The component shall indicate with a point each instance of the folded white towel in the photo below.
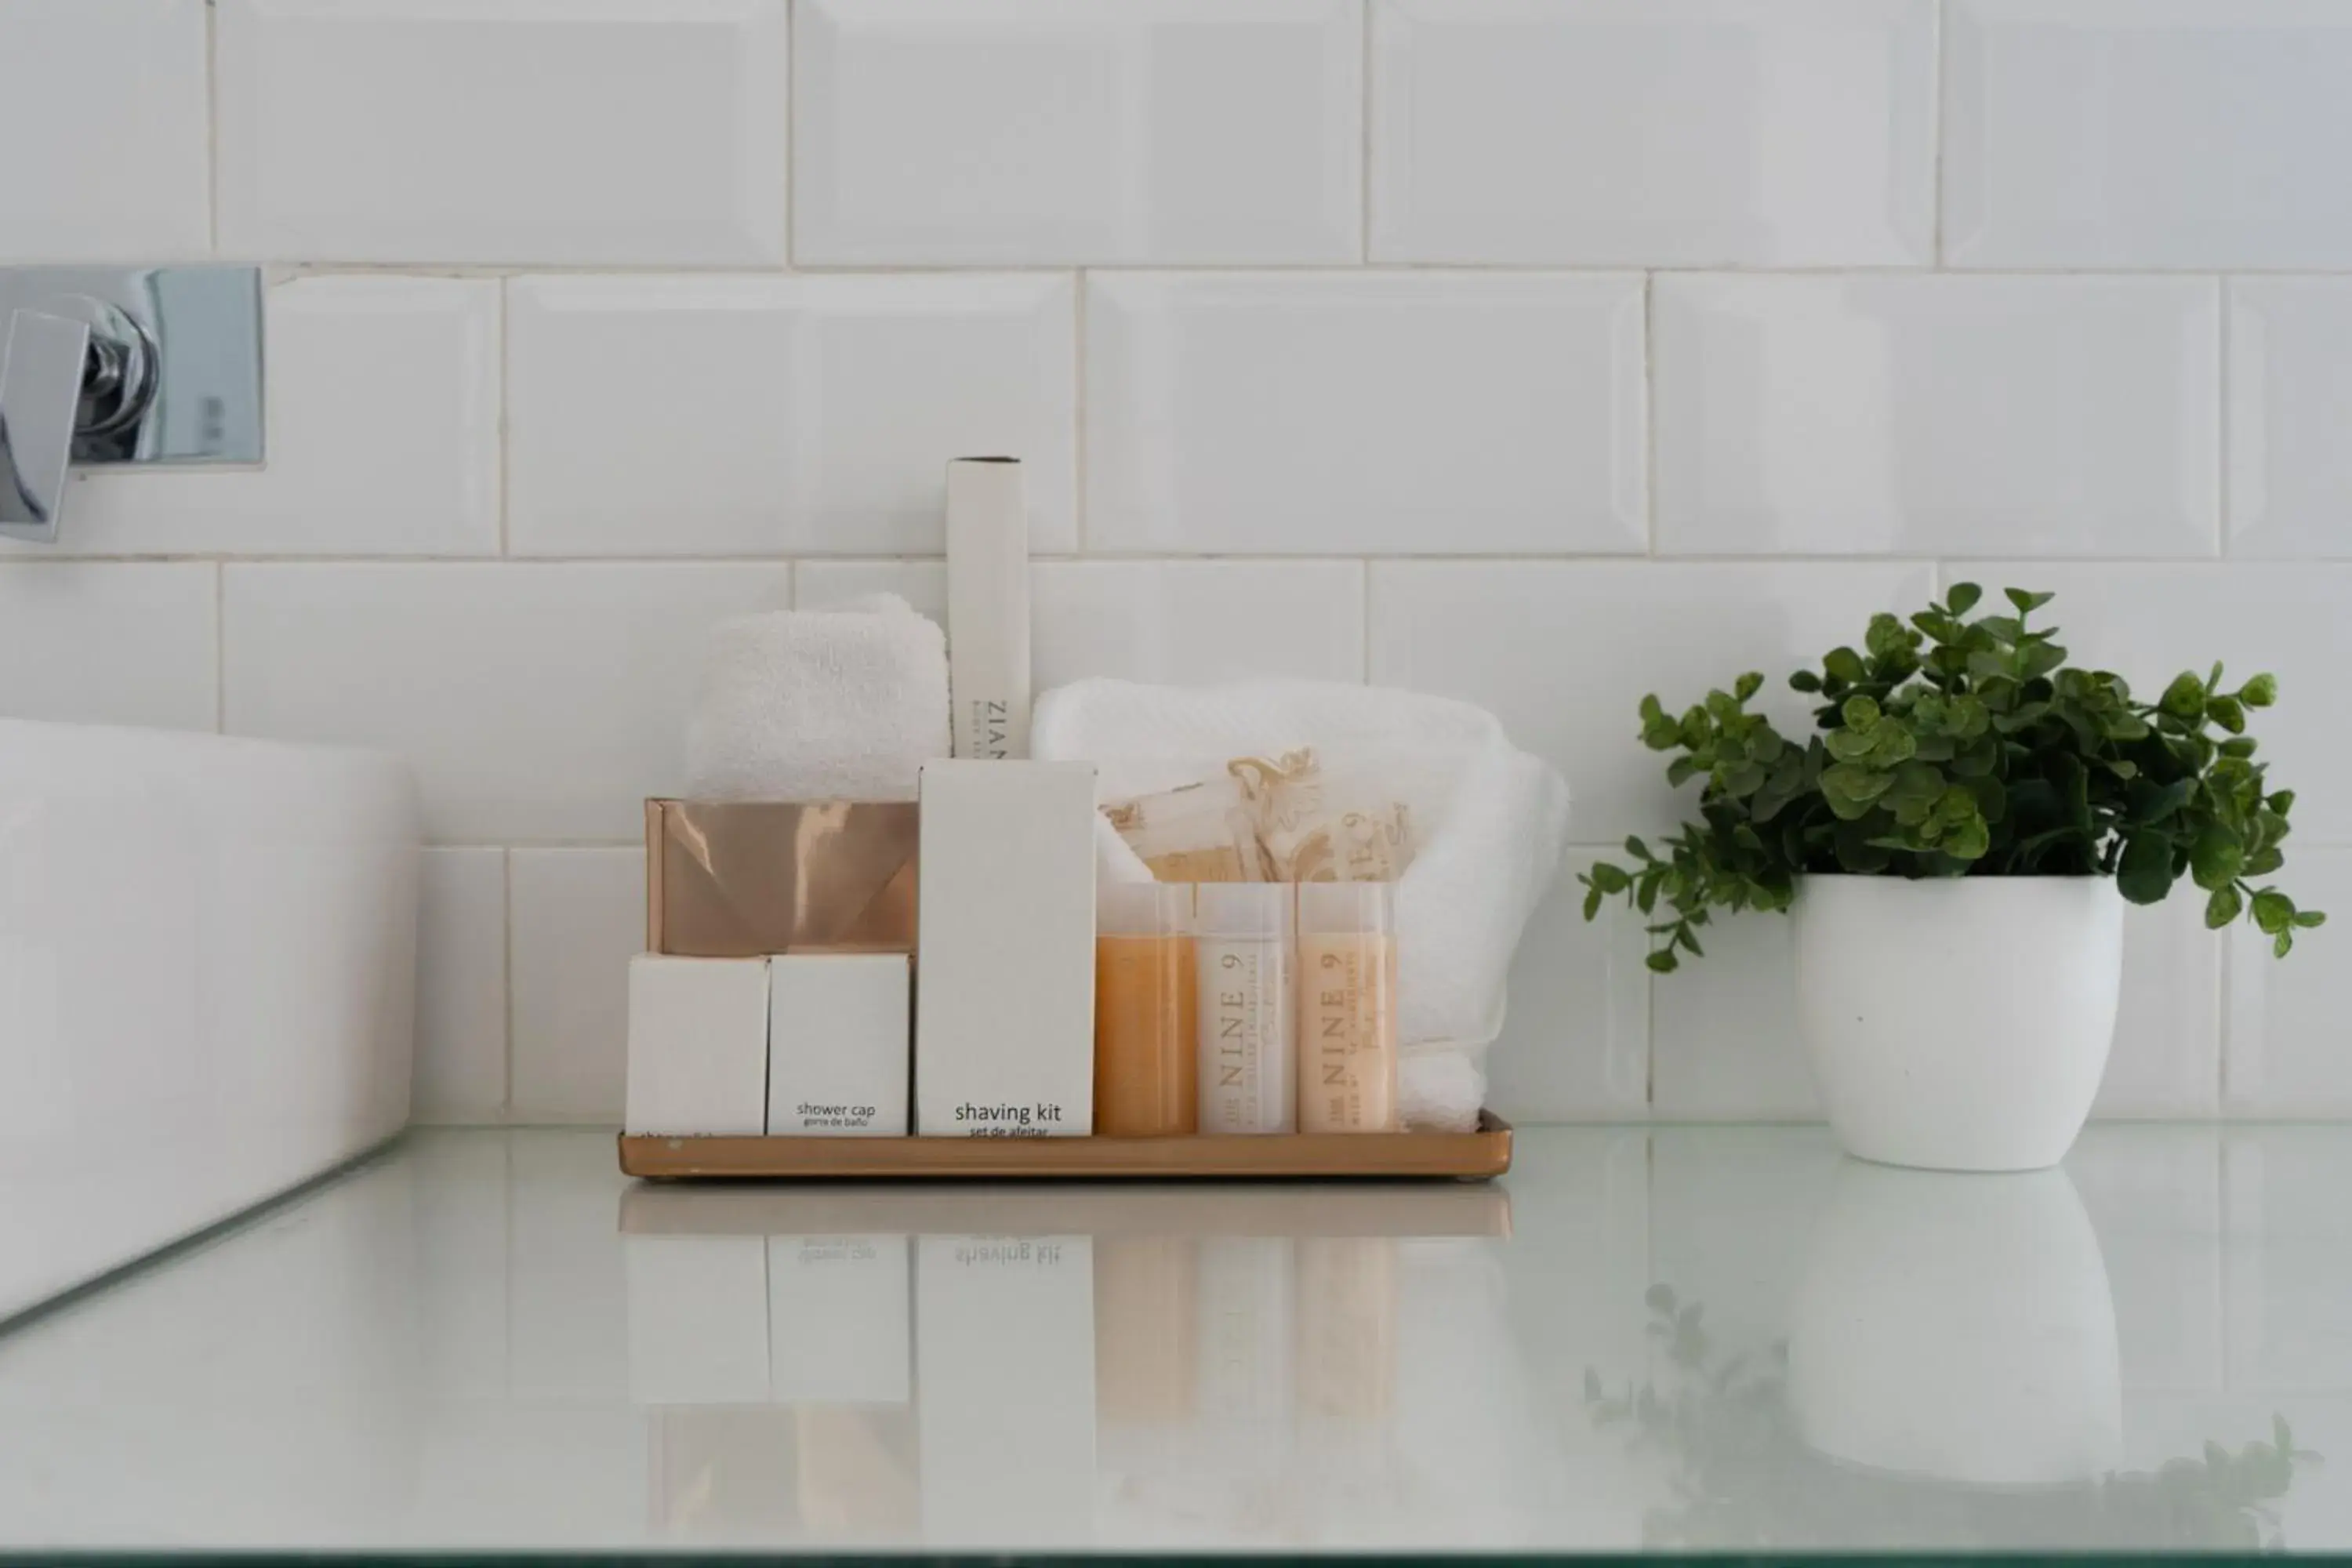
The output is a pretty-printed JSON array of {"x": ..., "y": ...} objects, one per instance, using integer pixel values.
[
  {"x": 1491, "y": 821},
  {"x": 844, "y": 704}
]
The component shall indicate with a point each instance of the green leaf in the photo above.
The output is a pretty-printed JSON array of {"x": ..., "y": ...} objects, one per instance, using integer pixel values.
[
  {"x": 2226, "y": 713},
  {"x": 2185, "y": 698},
  {"x": 1891, "y": 743},
  {"x": 1680, "y": 771},
  {"x": 1969, "y": 841},
  {"x": 2216, "y": 857},
  {"x": 2239, "y": 746},
  {"x": 2146, "y": 802},
  {"x": 2263, "y": 862},
  {"x": 1856, "y": 851},
  {"x": 1860, "y": 712},
  {"x": 1848, "y": 745},
  {"x": 2259, "y": 692},
  {"x": 1662, "y": 960},
  {"x": 1591, "y": 903},
  {"x": 2283, "y": 801},
  {"x": 1609, "y": 879},
  {"x": 1886, "y": 637},
  {"x": 2039, "y": 659},
  {"x": 1638, "y": 850},
  {"x": 2027, "y": 603},
  {"x": 2306, "y": 918},
  {"x": 1843, "y": 664},
  {"x": 1991, "y": 796},
  {"x": 2283, "y": 944},
  {"x": 1962, "y": 598},
  {"x": 2223, "y": 907},
  {"x": 2145, "y": 874},
  {"x": 1747, "y": 685},
  {"x": 2273, "y": 911},
  {"x": 1851, "y": 789},
  {"x": 1804, "y": 681}
]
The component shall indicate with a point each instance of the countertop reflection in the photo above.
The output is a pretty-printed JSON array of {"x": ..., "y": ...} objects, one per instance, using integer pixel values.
[{"x": 1664, "y": 1339}]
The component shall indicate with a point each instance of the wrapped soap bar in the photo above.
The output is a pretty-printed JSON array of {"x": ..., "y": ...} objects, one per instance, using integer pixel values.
[
  {"x": 1197, "y": 833},
  {"x": 1319, "y": 823}
]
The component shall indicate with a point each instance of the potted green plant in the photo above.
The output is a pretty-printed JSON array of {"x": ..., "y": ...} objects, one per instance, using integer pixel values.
[{"x": 1951, "y": 840}]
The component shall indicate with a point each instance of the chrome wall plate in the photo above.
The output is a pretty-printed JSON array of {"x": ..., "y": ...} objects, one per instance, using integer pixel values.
[{"x": 173, "y": 368}]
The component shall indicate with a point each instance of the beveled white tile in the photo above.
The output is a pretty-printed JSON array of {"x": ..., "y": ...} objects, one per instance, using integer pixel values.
[
  {"x": 1633, "y": 132},
  {"x": 1564, "y": 651},
  {"x": 2289, "y": 1055},
  {"x": 104, "y": 111},
  {"x": 1724, "y": 1042},
  {"x": 1575, "y": 1043},
  {"x": 120, "y": 643},
  {"x": 1954, "y": 414},
  {"x": 947, "y": 133},
  {"x": 461, "y": 988},
  {"x": 382, "y": 436},
  {"x": 535, "y": 701},
  {"x": 1348, "y": 413},
  {"x": 1190, "y": 622},
  {"x": 2151, "y": 622},
  {"x": 576, "y": 131},
  {"x": 673, "y": 415},
  {"x": 2167, "y": 1057},
  {"x": 2290, "y": 405},
  {"x": 2192, "y": 133},
  {"x": 2154, "y": 1195},
  {"x": 579, "y": 915}
]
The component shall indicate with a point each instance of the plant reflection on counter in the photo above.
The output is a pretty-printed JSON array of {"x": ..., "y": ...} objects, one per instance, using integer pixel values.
[{"x": 1744, "y": 1476}]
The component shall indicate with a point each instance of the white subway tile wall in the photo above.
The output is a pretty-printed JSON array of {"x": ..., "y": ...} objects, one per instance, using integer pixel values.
[{"x": 1694, "y": 330}]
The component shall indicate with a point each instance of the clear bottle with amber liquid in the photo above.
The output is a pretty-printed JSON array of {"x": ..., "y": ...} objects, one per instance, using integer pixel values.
[
  {"x": 1146, "y": 996},
  {"x": 1347, "y": 1007}
]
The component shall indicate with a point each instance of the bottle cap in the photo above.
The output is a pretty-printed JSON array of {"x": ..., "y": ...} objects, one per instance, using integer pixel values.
[
  {"x": 1143, "y": 909},
  {"x": 1346, "y": 908},
  {"x": 1245, "y": 909}
]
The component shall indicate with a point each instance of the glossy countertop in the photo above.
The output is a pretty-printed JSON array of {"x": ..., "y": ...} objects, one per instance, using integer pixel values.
[{"x": 1653, "y": 1339}]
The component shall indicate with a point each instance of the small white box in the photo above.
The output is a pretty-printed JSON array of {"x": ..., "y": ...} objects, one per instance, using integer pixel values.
[
  {"x": 1004, "y": 1330},
  {"x": 840, "y": 1319},
  {"x": 837, "y": 1044},
  {"x": 1004, "y": 993},
  {"x": 697, "y": 1046},
  {"x": 987, "y": 608}
]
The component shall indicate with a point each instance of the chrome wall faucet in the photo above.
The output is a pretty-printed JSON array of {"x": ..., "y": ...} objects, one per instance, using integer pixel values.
[{"x": 115, "y": 365}]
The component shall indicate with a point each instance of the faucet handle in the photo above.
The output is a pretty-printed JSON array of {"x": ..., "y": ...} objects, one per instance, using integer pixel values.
[{"x": 41, "y": 374}]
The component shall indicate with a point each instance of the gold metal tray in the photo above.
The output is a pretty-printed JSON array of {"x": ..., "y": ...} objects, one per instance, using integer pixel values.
[{"x": 1476, "y": 1156}]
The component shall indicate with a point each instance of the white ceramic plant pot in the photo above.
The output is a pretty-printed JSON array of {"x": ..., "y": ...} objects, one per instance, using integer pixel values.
[
  {"x": 1958, "y": 1327},
  {"x": 1959, "y": 1024}
]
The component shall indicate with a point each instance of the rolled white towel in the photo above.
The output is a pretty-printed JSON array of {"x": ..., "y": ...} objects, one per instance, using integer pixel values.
[{"x": 843, "y": 703}]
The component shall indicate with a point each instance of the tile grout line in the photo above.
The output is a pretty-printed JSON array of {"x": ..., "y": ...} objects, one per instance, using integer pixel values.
[
  {"x": 1365, "y": 25},
  {"x": 1936, "y": 135},
  {"x": 1650, "y": 416},
  {"x": 792, "y": 110},
  {"x": 220, "y": 647},
  {"x": 1078, "y": 468},
  {"x": 505, "y": 397},
  {"x": 1365, "y": 667},
  {"x": 2221, "y": 294},
  {"x": 506, "y": 925},
  {"x": 212, "y": 128}
]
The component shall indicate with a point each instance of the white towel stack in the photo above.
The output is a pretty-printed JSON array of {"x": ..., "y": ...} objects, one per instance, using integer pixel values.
[{"x": 844, "y": 704}]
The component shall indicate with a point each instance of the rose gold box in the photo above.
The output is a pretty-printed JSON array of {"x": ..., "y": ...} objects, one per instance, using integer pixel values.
[{"x": 750, "y": 879}]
